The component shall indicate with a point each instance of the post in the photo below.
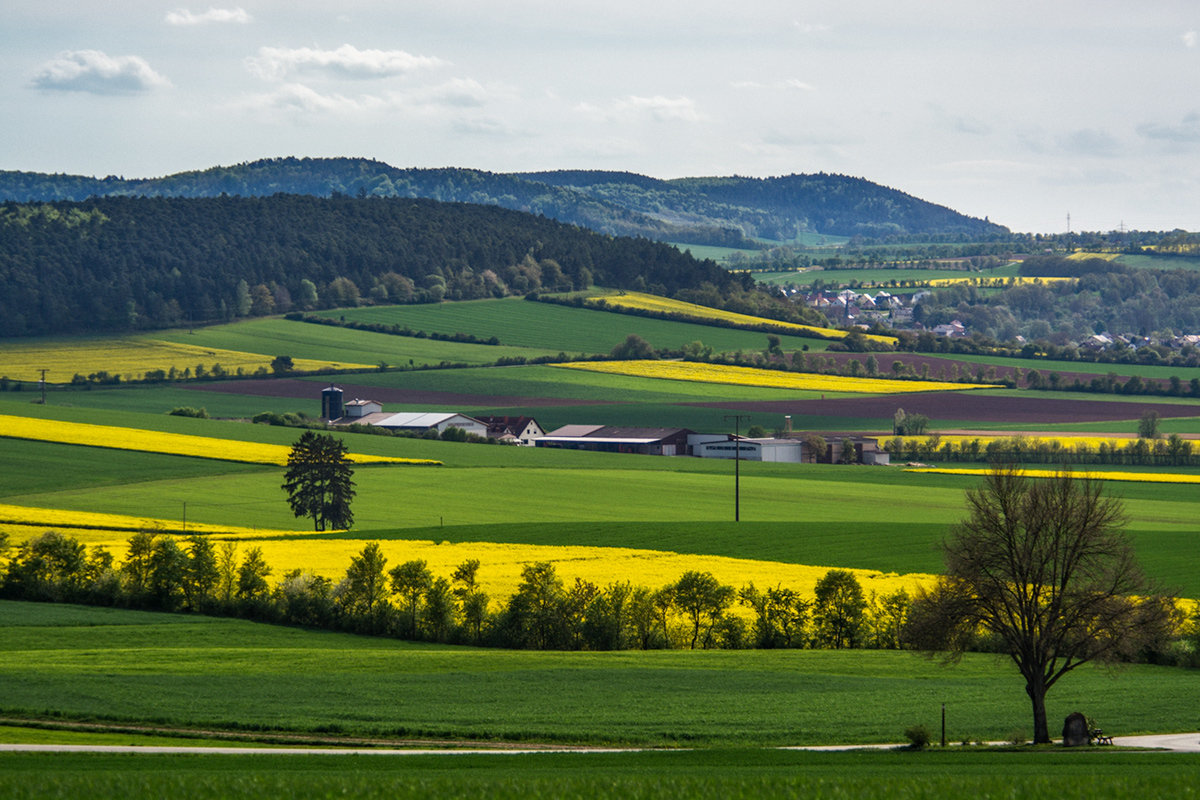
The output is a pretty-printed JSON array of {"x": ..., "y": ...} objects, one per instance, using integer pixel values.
[
  {"x": 43, "y": 382},
  {"x": 943, "y": 724},
  {"x": 737, "y": 464},
  {"x": 185, "y": 517}
]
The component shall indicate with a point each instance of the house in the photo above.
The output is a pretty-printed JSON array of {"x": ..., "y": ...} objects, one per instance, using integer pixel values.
[
  {"x": 616, "y": 439},
  {"x": 519, "y": 430}
]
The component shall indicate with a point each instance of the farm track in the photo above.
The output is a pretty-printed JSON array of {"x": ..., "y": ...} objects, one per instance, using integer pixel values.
[
  {"x": 966, "y": 405},
  {"x": 309, "y": 390}
]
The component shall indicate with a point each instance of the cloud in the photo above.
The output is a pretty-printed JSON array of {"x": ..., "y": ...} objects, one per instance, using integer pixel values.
[
  {"x": 809, "y": 28},
  {"x": 458, "y": 93},
  {"x": 1186, "y": 132},
  {"x": 183, "y": 16},
  {"x": 347, "y": 61},
  {"x": 97, "y": 73},
  {"x": 1190, "y": 39},
  {"x": 296, "y": 97},
  {"x": 786, "y": 83},
  {"x": 657, "y": 108}
]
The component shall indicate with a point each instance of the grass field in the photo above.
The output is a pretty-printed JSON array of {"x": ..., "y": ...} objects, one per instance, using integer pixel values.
[
  {"x": 119, "y": 666},
  {"x": 549, "y": 327},
  {"x": 305, "y": 340},
  {"x": 679, "y": 775}
]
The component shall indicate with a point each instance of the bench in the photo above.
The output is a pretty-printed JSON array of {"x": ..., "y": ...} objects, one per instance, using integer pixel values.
[{"x": 1098, "y": 736}]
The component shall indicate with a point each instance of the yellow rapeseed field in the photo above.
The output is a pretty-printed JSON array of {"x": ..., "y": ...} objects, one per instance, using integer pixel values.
[
  {"x": 1084, "y": 256},
  {"x": 691, "y": 311},
  {"x": 22, "y": 522},
  {"x": 500, "y": 564},
  {"x": 1031, "y": 442},
  {"x": 130, "y": 358},
  {"x": 749, "y": 376},
  {"x": 181, "y": 444},
  {"x": 998, "y": 283},
  {"x": 1100, "y": 475}
]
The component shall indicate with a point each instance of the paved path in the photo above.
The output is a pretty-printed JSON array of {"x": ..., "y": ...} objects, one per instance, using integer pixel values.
[{"x": 1175, "y": 742}]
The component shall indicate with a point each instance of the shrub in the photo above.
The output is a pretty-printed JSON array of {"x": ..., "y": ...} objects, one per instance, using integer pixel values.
[
  {"x": 188, "y": 411},
  {"x": 918, "y": 736}
]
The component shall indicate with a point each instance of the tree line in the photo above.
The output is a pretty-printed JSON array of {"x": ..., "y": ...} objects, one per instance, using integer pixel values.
[{"x": 199, "y": 575}]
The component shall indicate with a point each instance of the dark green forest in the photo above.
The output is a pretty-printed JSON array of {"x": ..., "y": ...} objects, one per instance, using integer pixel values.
[
  {"x": 124, "y": 263},
  {"x": 720, "y": 211}
]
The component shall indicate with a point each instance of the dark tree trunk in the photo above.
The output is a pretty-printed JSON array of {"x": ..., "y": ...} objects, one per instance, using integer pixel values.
[{"x": 1035, "y": 687}]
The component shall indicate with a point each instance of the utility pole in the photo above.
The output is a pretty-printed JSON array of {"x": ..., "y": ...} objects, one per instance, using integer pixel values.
[
  {"x": 43, "y": 382},
  {"x": 737, "y": 464}
]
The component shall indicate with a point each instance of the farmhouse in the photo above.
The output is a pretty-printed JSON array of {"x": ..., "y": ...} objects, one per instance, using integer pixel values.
[
  {"x": 518, "y": 430},
  {"x": 614, "y": 439}
]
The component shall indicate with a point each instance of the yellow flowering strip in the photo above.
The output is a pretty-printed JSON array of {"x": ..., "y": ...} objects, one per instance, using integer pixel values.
[
  {"x": 27, "y": 520},
  {"x": 749, "y": 376},
  {"x": 1027, "y": 442},
  {"x": 1098, "y": 475},
  {"x": 703, "y": 314},
  {"x": 1083, "y": 255},
  {"x": 131, "y": 358},
  {"x": 180, "y": 444},
  {"x": 995, "y": 282}
]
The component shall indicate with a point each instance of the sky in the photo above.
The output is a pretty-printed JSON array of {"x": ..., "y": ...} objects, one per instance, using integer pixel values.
[{"x": 1038, "y": 115}]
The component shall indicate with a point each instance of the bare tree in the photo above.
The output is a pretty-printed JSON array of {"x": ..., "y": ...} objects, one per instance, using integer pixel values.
[{"x": 1044, "y": 566}]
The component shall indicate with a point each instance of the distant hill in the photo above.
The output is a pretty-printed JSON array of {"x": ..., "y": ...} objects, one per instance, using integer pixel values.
[{"x": 721, "y": 211}]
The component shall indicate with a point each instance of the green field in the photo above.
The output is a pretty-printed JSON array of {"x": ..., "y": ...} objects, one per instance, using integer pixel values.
[
  {"x": 553, "y": 328},
  {"x": 303, "y": 340},
  {"x": 193, "y": 672},
  {"x": 736, "y": 774},
  {"x": 188, "y": 672}
]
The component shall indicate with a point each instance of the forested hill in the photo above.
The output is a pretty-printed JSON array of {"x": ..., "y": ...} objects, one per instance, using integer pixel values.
[
  {"x": 779, "y": 208},
  {"x": 693, "y": 210},
  {"x": 124, "y": 263}
]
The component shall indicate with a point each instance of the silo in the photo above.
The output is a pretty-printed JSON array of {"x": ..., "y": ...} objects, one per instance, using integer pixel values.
[{"x": 331, "y": 403}]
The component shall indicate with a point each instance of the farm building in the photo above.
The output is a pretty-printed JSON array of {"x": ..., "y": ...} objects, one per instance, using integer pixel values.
[
  {"x": 615, "y": 439},
  {"x": 369, "y": 412},
  {"x": 519, "y": 430},
  {"x": 775, "y": 450}
]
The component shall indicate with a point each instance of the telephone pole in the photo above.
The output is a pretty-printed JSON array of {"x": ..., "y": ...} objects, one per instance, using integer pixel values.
[
  {"x": 43, "y": 383},
  {"x": 737, "y": 464}
]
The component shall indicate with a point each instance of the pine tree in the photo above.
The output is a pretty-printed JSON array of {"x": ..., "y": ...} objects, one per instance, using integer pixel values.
[{"x": 318, "y": 481}]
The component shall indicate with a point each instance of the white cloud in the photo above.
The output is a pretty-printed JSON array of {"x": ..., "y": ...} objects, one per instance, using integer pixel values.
[
  {"x": 1190, "y": 39},
  {"x": 786, "y": 83},
  {"x": 459, "y": 93},
  {"x": 296, "y": 97},
  {"x": 183, "y": 16},
  {"x": 347, "y": 61},
  {"x": 658, "y": 108},
  {"x": 809, "y": 28},
  {"x": 98, "y": 73}
]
